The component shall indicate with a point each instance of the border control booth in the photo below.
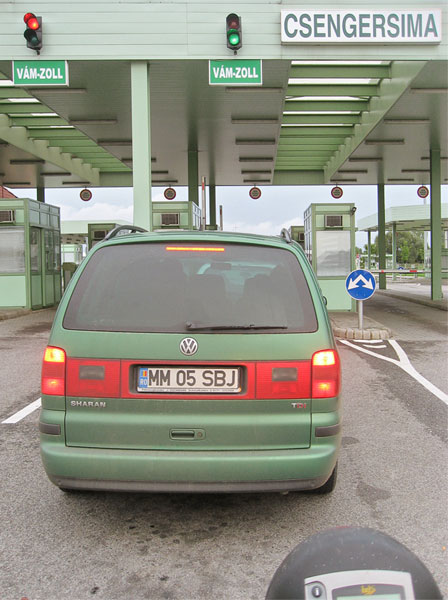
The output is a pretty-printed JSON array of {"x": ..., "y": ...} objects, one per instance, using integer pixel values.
[
  {"x": 176, "y": 215},
  {"x": 30, "y": 254},
  {"x": 330, "y": 248},
  {"x": 297, "y": 233},
  {"x": 96, "y": 232}
]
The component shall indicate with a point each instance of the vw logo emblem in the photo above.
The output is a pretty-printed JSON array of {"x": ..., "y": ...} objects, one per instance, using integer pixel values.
[{"x": 188, "y": 346}]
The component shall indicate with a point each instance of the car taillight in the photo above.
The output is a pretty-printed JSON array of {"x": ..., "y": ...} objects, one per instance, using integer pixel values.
[
  {"x": 92, "y": 378},
  {"x": 283, "y": 380},
  {"x": 53, "y": 372},
  {"x": 326, "y": 374}
]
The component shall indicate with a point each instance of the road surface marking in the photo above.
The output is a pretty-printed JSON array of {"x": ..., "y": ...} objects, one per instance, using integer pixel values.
[
  {"x": 405, "y": 364},
  {"x": 377, "y": 346},
  {"x": 375, "y": 343},
  {"x": 18, "y": 416}
]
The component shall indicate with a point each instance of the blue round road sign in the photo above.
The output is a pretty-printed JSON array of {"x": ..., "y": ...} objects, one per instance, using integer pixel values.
[{"x": 360, "y": 284}]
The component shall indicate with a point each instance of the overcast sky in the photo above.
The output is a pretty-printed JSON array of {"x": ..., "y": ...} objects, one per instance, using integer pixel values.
[{"x": 278, "y": 207}]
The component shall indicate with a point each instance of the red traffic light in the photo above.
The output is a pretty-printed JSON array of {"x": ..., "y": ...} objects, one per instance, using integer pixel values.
[
  {"x": 31, "y": 21},
  {"x": 233, "y": 21},
  {"x": 33, "y": 32}
]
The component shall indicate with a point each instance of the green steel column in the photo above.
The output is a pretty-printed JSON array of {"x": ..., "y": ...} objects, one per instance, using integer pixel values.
[
  {"x": 394, "y": 249},
  {"x": 369, "y": 250},
  {"x": 40, "y": 185},
  {"x": 381, "y": 235},
  {"x": 40, "y": 193},
  {"x": 141, "y": 144},
  {"x": 436, "y": 226},
  {"x": 212, "y": 204},
  {"x": 193, "y": 177}
]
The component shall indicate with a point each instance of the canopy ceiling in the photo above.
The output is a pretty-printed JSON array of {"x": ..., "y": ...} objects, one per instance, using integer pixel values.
[{"x": 311, "y": 122}]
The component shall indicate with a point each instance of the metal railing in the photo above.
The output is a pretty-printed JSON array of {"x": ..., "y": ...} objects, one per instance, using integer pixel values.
[{"x": 414, "y": 271}]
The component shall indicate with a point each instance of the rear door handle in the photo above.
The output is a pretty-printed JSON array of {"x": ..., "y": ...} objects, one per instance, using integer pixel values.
[{"x": 187, "y": 434}]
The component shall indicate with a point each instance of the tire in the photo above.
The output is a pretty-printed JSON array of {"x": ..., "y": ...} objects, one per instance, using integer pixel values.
[
  {"x": 69, "y": 490},
  {"x": 329, "y": 485}
]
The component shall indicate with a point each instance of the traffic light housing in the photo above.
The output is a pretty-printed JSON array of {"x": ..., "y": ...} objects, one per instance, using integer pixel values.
[
  {"x": 233, "y": 32},
  {"x": 33, "y": 32}
]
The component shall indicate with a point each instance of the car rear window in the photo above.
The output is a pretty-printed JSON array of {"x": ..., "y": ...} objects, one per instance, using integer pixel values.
[{"x": 179, "y": 287}]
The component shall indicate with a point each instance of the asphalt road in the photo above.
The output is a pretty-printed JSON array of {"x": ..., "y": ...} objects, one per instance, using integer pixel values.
[{"x": 392, "y": 477}]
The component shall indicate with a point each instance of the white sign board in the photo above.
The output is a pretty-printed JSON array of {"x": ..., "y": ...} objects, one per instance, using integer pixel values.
[{"x": 361, "y": 26}]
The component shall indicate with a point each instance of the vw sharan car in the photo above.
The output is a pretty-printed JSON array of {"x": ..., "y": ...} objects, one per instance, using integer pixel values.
[{"x": 186, "y": 361}]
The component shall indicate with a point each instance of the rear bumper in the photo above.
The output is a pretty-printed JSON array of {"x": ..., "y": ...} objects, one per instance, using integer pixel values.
[
  {"x": 211, "y": 487},
  {"x": 192, "y": 471}
]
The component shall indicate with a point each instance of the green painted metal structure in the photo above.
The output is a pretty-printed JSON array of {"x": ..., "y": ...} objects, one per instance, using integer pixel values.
[
  {"x": 330, "y": 248},
  {"x": 297, "y": 233},
  {"x": 409, "y": 218},
  {"x": 139, "y": 110},
  {"x": 96, "y": 232},
  {"x": 176, "y": 215},
  {"x": 30, "y": 254}
]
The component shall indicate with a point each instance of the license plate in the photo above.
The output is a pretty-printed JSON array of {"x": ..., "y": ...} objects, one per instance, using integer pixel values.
[{"x": 198, "y": 380}]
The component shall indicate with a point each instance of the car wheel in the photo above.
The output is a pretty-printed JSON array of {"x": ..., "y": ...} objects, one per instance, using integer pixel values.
[{"x": 329, "y": 485}]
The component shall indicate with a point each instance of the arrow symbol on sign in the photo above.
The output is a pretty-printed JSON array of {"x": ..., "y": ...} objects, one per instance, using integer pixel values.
[{"x": 360, "y": 281}]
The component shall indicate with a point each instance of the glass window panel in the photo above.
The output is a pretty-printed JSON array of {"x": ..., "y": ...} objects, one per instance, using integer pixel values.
[
  {"x": 170, "y": 218},
  {"x": 12, "y": 250},
  {"x": 49, "y": 250},
  {"x": 35, "y": 250},
  {"x": 56, "y": 251},
  {"x": 333, "y": 253}
]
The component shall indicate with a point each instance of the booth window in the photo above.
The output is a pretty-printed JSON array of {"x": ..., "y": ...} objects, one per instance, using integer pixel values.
[
  {"x": 12, "y": 250},
  {"x": 49, "y": 251},
  {"x": 333, "y": 256},
  {"x": 57, "y": 251},
  {"x": 35, "y": 250},
  {"x": 170, "y": 218}
]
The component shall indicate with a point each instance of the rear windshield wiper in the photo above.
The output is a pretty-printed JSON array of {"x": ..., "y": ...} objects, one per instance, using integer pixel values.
[{"x": 198, "y": 326}]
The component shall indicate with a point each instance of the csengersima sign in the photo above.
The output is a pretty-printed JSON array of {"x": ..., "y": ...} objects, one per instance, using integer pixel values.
[{"x": 361, "y": 26}]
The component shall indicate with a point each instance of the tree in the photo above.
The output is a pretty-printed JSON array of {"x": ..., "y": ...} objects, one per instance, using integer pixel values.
[{"x": 410, "y": 248}]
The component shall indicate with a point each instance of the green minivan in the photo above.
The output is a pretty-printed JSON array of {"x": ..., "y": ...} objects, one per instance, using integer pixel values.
[{"x": 192, "y": 361}]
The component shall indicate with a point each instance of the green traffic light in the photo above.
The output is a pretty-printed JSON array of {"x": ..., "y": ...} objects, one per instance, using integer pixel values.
[{"x": 234, "y": 38}]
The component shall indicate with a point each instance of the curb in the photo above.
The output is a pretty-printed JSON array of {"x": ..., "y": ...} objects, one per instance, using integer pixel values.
[
  {"x": 353, "y": 333},
  {"x": 12, "y": 314},
  {"x": 346, "y": 326}
]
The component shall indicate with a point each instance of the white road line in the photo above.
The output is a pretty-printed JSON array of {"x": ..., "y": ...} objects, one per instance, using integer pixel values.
[
  {"x": 379, "y": 346},
  {"x": 405, "y": 364},
  {"x": 371, "y": 343},
  {"x": 18, "y": 416}
]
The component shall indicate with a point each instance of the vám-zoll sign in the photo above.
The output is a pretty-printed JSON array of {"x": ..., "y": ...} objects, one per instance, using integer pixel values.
[{"x": 40, "y": 72}]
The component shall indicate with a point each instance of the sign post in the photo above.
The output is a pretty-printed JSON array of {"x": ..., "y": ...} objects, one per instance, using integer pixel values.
[
  {"x": 360, "y": 285},
  {"x": 204, "y": 206}
]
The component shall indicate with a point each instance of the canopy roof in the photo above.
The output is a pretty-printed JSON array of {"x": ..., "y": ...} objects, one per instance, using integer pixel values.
[
  {"x": 320, "y": 117},
  {"x": 405, "y": 218}
]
